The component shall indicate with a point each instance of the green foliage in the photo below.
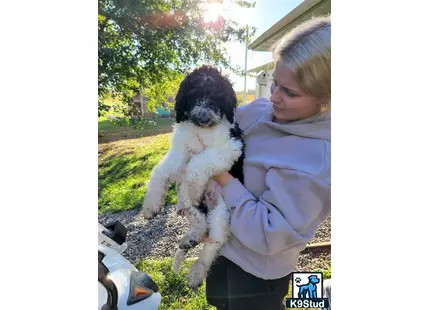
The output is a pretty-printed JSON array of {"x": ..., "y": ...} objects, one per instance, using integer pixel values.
[
  {"x": 120, "y": 108},
  {"x": 143, "y": 124},
  {"x": 121, "y": 121},
  {"x": 327, "y": 273},
  {"x": 142, "y": 41},
  {"x": 137, "y": 123},
  {"x": 162, "y": 92},
  {"x": 103, "y": 108},
  {"x": 112, "y": 106}
]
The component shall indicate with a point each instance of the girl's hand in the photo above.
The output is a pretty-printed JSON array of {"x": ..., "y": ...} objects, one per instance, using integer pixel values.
[{"x": 223, "y": 178}]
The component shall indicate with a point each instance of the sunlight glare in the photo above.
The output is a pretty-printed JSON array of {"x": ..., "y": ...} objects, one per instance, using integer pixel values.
[{"x": 212, "y": 12}]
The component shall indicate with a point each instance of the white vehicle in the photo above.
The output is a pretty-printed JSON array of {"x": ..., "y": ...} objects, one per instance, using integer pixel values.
[{"x": 121, "y": 286}]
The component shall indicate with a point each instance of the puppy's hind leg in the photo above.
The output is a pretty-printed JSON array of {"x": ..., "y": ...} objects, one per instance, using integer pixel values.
[
  {"x": 192, "y": 238},
  {"x": 198, "y": 229},
  {"x": 219, "y": 232},
  {"x": 179, "y": 258}
]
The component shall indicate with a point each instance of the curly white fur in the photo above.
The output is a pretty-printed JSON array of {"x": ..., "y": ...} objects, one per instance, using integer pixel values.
[{"x": 196, "y": 155}]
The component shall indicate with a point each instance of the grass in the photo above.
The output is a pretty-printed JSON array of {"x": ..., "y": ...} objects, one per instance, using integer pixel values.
[
  {"x": 174, "y": 290},
  {"x": 109, "y": 132},
  {"x": 126, "y": 158}
]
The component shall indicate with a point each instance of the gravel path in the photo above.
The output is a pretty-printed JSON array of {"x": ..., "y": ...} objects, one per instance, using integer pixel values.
[
  {"x": 323, "y": 234},
  {"x": 159, "y": 237}
]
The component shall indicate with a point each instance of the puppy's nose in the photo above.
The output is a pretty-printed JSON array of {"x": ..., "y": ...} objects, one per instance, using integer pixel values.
[{"x": 204, "y": 118}]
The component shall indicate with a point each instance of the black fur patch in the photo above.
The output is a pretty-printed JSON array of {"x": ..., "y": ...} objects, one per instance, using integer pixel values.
[
  {"x": 202, "y": 207},
  {"x": 237, "y": 169},
  {"x": 207, "y": 84}
]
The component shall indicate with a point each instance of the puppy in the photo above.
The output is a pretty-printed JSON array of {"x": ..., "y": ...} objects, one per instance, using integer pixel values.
[{"x": 206, "y": 141}]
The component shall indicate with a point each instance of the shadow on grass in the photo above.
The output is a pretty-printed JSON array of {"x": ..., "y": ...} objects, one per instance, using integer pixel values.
[
  {"x": 121, "y": 182},
  {"x": 121, "y": 167}
]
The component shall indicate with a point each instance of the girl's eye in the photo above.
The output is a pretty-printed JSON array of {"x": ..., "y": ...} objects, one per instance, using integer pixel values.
[
  {"x": 286, "y": 90},
  {"x": 290, "y": 94}
]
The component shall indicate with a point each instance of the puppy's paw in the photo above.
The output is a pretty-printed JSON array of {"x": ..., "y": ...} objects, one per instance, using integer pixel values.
[
  {"x": 148, "y": 212},
  {"x": 179, "y": 258},
  {"x": 197, "y": 275},
  {"x": 188, "y": 242},
  {"x": 151, "y": 206},
  {"x": 180, "y": 211}
]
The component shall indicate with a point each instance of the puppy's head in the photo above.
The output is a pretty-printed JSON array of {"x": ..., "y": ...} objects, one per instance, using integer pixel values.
[{"x": 205, "y": 97}]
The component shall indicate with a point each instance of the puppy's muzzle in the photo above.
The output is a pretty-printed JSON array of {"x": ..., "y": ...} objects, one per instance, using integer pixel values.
[{"x": 204, "y": 117}]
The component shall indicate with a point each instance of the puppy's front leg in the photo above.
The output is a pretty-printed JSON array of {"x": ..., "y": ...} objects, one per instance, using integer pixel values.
[
  {"x": 210, "y": 163},
  {"x": 172, "y": 163}
]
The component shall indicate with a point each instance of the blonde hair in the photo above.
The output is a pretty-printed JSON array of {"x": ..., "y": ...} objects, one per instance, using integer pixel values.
[{"x": 307, "y": 50}]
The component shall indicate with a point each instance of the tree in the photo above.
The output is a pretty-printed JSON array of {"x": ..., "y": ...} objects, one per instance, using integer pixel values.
[
  {"x": 163, "y": 91},
  {"x": 147, "y": 44}
]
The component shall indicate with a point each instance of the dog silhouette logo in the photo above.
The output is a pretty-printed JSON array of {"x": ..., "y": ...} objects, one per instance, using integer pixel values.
[
  {"x": 307, "y": 291},
  {"x": 307, "y": 285}
]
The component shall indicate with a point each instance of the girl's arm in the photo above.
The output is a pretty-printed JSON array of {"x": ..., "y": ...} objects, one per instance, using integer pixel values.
[{"x": 287, "y": 214}]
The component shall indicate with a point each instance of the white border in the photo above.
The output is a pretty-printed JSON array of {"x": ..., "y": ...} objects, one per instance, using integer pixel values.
[
  {"x": 48, "y": 153},
  {"x": 380, "y": 154}
]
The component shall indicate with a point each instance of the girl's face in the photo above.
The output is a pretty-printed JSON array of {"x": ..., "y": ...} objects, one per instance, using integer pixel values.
[{"x": 290, "y": 102}]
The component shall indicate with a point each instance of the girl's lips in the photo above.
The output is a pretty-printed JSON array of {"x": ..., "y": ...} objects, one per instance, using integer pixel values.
[{"x": 277, "y": 108}]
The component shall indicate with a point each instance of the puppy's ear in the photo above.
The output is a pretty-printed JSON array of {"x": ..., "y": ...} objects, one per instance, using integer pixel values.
[
  {"x": 229, "y": 115},
  {"x": 231, "y": 103},
  {"x": 180, "y": 100}
]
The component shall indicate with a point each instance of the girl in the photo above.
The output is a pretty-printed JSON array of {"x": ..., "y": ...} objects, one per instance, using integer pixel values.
[{"x": 287, "y": 189}]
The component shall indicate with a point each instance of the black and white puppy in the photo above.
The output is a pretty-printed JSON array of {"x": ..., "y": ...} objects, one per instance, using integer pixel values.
[{"x": 206, "y": 141}]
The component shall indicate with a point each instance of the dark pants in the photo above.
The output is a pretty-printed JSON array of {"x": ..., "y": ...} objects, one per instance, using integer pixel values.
[{"x": 229, "y": 287}]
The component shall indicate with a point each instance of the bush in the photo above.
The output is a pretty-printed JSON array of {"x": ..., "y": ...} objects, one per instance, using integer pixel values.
[
  {"x": 141, "y": 123},
  {"x": 135, "y": 121},
  {"x": 326, "y": 272},
  {"x": 120, "y": 108},
  {"x": 103, "y": 108},
  {"x": 121, "y": 121}
]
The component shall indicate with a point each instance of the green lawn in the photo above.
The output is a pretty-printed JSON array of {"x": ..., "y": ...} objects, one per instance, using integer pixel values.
[
  {"x": 126, "y": 158},
  {"x": 174, "y": 290},
  {"x": 109, "y": 131}
]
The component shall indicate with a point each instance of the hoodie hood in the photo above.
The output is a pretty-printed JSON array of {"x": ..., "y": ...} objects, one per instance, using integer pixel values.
[{"x": 315, "y": 127}]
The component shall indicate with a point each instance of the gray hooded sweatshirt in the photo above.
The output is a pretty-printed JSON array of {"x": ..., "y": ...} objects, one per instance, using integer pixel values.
[{"x": 286, "y": 193}]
